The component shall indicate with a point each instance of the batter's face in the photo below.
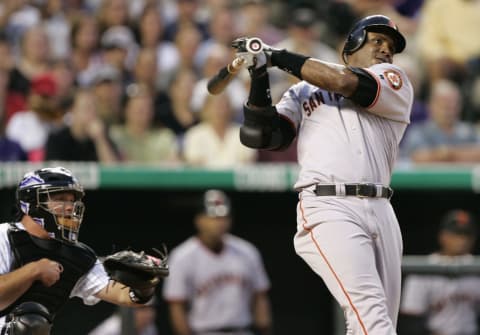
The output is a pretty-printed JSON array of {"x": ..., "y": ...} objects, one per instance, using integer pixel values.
[{"x": 378, "y": 48}]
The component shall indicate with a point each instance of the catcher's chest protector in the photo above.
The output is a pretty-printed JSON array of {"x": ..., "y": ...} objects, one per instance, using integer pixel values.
[{"x": 76, "y": 259}]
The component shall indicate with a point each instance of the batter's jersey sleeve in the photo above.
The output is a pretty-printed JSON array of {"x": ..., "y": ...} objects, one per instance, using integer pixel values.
[
  {"x": 289, "y": 105},
  {"x": 415, "y": 298},
  {"x": 394, "y": 98}
]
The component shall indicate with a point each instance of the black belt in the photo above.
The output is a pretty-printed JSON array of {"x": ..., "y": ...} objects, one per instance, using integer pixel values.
[
  {"x": 226, "y": 330},
  {"x": 358, "y": 190}
]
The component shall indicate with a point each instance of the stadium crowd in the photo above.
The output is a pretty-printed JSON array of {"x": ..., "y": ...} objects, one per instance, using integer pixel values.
[{"x": 125, "y": 81}]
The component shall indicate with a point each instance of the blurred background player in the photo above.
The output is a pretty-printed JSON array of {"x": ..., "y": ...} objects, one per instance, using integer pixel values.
[
  {"x": 443, "y": 304},
  {"x": 217, "y": 283}
]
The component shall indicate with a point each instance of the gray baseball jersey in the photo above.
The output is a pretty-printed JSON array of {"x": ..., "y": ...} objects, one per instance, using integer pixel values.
[
  {"x": 449, "y": 303},
  {"x": 353, "y": 243},
  {"x": 218, "y": 287},
  {"x": 86, "y": 287}
]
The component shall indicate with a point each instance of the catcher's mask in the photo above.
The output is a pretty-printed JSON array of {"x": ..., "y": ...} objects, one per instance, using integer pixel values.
[
  {"x": 60, "y": 218},
  {"x": 375, "y": 23}
]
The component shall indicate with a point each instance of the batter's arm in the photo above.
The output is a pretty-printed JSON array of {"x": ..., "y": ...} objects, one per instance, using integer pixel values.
[
  {"x": 353, "y": 83},
  {"x": 179, "y": 318},
  {"x": 262, "y": 316}
]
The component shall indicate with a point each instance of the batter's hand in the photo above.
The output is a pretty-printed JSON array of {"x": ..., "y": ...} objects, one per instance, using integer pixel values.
[
  {"x": 48, "y": 271},
  {"x": 246, "y": 57}
]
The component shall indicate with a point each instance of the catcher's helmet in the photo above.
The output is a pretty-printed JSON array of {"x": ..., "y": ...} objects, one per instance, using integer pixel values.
[
  {"x": 33, "y": 194},
  {"x": 376, "y": 23}
]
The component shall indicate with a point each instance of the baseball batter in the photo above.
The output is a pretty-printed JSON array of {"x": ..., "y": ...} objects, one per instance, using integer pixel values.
[{"x": 349, "y": 120}]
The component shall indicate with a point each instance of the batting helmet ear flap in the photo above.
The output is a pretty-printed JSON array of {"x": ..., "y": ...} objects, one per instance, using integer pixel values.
[{"x": 354, "y": 42}]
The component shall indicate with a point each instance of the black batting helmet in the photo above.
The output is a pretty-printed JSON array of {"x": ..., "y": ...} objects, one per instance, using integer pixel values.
[{"x": 376, "y": 23}]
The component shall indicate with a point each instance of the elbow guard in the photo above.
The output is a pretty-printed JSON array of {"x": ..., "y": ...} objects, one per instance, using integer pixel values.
[
  {"x": 367, "y": 89},
  {"x": 264, "y": 129}
]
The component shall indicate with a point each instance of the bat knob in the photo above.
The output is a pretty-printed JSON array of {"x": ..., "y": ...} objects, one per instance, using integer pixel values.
[{"x": 254, "y": 45}]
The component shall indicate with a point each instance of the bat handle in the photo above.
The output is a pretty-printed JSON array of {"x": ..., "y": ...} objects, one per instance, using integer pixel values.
[{"x": 219, "y": 82}]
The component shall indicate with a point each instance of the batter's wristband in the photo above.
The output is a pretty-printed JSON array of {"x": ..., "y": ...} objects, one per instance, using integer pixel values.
[{"x": 289, "y": 62}]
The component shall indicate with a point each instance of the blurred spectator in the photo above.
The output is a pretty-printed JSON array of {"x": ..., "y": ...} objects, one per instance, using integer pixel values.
[
  {"x": 57, "y": 27},
  {"x": 186, "y": 17},
  {"x": 406, "y": 24},
  {"x": 217, "y": 58},
  {"x": 108, "y": 91},
  {"x": 302, "y": 35},
  {"x": 6, "y": 65},
  {"x": 444, "y": 304},
  {"x": 62, "y": 70},
  {"x": 16, "y": 16},
  {"x": 137, "y": 139},
  {"x": 145, "y": 74},
  {"x": 471, "y": 90},
  {"x": 150, "y": 30},
  {"x": 221, "y": 29},
  {"x": 143, "y": 319},
  {"x": 9, "y": 150},
  {"x": 86, "y": 136},
  {"x": 215, "y": 141},
  {"x": 119, "y": 50},
  {"x": 33, "y": 61},
  {"x": 448, "y": 37},
  {"x": 30, "y": 128},
  {"x": 302, "y": 38},
  {"x": 409, "y": 8},
  {"x": 35, "y": 52},
  {"x": 208, "y": 7},
  {"x": 442, "y": 137},
  {"x": 217, "y": 282},
  {"x": 175, "y": 111},
  {"x": 254, "y": 20},
  {"x": 112, "y": 13},
  {"x": 84, "y": 44},
  {"x": 187, "y": 41},
  {"x": 338, "y": 17},
  {"x": 145, "y": 69}
]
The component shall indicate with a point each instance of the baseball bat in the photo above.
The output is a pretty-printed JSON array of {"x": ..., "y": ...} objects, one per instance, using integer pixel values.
[{"x": 218, "y": 82}]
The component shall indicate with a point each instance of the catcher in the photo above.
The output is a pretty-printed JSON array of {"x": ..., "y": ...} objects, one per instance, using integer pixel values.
[{"x": 43, "y": 264}]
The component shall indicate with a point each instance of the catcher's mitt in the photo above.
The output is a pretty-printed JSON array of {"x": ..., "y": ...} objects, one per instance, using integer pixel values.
[{"x": 137, "y": 270}]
